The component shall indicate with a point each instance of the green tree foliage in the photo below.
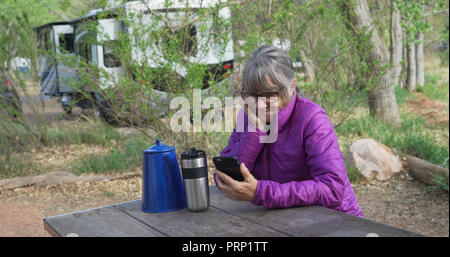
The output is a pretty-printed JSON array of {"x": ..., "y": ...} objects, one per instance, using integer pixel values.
[
  {"x": 414, "y": 16},
  {"x": 44, "y": 11}
]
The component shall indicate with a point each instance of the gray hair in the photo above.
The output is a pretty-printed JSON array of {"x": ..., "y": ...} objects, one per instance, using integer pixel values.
[{"x": 271, "y": 62}]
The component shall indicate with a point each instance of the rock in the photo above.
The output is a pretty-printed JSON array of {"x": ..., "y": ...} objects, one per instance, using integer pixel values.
[{"x": 373, "y": 159}]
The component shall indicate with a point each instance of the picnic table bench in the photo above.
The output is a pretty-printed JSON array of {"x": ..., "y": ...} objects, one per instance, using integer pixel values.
[{"x": 224, "y": 218}]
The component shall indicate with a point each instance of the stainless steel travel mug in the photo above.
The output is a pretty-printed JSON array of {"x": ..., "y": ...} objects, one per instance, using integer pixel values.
[{"x": 195, "y": 176}]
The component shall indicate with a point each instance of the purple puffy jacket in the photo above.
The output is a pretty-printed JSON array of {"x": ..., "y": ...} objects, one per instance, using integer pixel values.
[{"x": 304, "y": 166}]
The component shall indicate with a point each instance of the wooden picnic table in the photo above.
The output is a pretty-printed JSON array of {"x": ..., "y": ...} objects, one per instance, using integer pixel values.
[{"x": 224, "y": 218}]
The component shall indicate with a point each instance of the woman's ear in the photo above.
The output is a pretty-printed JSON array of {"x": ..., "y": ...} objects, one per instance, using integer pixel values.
[{"x": 294, "y": 83}]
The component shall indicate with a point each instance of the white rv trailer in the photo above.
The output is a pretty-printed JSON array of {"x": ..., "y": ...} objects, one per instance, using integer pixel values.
[
  {"x": 56, "y": 38},
  {"x": 72, "y": 37},
  {"x": 110, "y": 26}
]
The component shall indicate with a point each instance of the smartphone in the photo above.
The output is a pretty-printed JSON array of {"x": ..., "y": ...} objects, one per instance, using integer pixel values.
[{"x": 229, "y": 165}]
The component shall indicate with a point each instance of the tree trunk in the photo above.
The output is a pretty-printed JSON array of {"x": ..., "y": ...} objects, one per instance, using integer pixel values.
[
  {"x": 424, "y": 171},
  {"x": 411, "y": 71},
  {"x": 396, "y": 48},
  {"x": 382, "y": 101},
  {"x": 420, "y": 69},
  {"x": 404, "y": 62},
  {"x": 307, "y": 66}
]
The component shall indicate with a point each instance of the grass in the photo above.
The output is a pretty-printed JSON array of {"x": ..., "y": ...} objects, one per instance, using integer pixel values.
[
  {"x": 124, "y": 158},
  {"x": 441, "y": 183},
  {"x": 412, "y": 137},
  {"x": 353, "y": 174},
  {"x": 16, "y": 140},
  {"x": 108, "y": 193},
  {"x": 443, "y": 56},
  {"x": 402, "y": 95},
  {"x": 433, "y": 89},
  {"x": 85, "y": 133},
  {"x": 12, "y": 165},
  {"x": 17, "y": 137}
]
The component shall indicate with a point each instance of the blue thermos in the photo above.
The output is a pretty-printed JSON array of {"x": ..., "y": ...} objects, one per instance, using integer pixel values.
[{"x": 162, "y": 185}]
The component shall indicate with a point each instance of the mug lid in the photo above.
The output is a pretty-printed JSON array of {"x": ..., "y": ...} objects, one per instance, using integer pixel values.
[
  {"x": 192, "y": 153},
  {"x": 158, "y": 147}
]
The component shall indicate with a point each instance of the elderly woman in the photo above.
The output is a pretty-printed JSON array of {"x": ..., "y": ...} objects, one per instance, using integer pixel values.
[{"x": 304, "y": 166}]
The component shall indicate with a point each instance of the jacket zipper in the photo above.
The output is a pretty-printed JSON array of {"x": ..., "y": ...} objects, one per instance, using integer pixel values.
[{"x": 268, "y": 157}]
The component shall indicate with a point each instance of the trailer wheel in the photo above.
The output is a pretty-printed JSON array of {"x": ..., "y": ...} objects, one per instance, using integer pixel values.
[
  {"x": 66, "y": 103},
  {"x": 85, "y": 102}
]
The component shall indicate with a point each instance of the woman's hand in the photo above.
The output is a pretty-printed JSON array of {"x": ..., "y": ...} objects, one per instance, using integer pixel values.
[
  {"x": 239, "y": 191},
  {"x": 255, "y": 120}
]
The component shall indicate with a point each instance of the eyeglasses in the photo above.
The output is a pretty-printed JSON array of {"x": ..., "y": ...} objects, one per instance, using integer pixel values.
[{"x": 268, "y": 95}]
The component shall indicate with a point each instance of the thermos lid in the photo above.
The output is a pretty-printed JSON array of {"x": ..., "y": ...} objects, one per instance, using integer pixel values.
[
  {"x": 159, "y": 148},
  {"x": 193, "y": 164},
  {"x": 193, "y": 154}
]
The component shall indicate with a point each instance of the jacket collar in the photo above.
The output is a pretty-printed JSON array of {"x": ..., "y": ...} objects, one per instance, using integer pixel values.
[{"x": 285, "y": 113}]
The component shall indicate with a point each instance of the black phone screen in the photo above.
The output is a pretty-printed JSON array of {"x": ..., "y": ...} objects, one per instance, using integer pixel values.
[{"x": 229, "y": 165}]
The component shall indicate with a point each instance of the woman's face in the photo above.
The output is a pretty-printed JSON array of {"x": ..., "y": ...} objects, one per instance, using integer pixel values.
[{"x": 278, "y": 100}]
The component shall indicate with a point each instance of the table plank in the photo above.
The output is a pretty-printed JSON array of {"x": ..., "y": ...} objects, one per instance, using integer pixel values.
[
  {"x": 104, "y": 221},
  {"x": 211, "y": 222},
  {"x": 306, "y": 221}
]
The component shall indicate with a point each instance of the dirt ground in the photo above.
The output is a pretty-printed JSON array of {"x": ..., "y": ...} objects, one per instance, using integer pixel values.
[
  {"x": 405, "y": 203},
  {"x": 432, "y": 111}
]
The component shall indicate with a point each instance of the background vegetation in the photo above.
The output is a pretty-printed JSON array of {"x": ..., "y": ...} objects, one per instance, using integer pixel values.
[{"x": 335, "y": 74}]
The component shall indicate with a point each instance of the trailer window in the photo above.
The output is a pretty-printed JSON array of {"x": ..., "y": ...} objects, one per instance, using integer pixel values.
[
  {"x": 110, "y": 60},
  {"x": 185, "y": 38},
  {"x": 66, "y": 42}
]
